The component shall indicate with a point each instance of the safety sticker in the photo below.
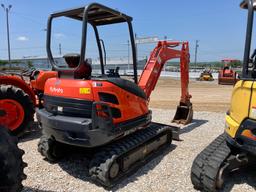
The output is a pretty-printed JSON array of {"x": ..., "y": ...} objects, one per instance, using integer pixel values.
[
  {"x": 253, "y": 112},
  {"x": 84, "y": 90}
]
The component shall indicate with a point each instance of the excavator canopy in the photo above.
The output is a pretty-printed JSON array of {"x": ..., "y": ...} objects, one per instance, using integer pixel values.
[{"x": 97, "y": 14}]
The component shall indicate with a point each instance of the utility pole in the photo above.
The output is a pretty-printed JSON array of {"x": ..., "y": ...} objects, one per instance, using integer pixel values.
[
  {"x": 197, "y": 45},
  {"x": 7, "y": 10},
  {"x": 60, "y": 49},
  {"x": 128, "y": 43},
  {"x": 136, "y": 48},
  {"x": 165, "y": 38}
]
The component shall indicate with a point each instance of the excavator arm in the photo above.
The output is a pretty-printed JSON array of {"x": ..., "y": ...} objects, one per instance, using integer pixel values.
[{"x": 163, "y": 52}]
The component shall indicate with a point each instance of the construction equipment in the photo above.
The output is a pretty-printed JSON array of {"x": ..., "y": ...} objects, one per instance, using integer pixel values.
[
  {"x": 20, "y": 93},
  {"x": 106, "y": 113},
  {"x": 11, "y": 164},
  {"x": 226, "y": 75},
  {"x": 236, "y": 148},
  {"x": 206, "y": 75}
]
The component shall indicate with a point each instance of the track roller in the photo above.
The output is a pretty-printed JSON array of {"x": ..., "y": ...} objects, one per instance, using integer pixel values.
[{"x": 117, "y": 159}]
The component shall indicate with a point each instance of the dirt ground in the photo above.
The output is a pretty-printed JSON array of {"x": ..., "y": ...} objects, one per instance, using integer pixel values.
[
  {"x": 169, "y": 171},
  {"x": 206, "y": 96}
]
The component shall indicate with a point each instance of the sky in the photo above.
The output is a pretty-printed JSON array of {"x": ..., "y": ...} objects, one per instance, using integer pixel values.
[{"x": 219, "y": 26}]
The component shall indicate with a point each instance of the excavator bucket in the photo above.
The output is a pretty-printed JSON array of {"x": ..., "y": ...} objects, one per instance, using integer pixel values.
[{"x": 184, "y": 114}]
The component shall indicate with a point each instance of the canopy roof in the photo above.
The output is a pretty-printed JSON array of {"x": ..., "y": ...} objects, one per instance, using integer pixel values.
[{"x": 97, "y": 14}]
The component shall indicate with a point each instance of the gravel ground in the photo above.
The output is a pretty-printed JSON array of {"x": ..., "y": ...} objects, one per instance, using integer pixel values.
[{"x": 169, "y": 171}]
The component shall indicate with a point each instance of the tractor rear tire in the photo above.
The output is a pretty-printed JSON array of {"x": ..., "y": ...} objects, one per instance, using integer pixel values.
[
  {"x": 18, "y": 95},
  {"x": 11, "y": 164}
]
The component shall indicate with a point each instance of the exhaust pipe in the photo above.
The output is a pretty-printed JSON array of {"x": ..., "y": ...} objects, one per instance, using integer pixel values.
[{"x": 184, "y": 114}]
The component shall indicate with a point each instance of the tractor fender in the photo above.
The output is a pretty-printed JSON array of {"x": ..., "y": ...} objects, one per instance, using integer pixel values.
[{"x": 20, "y": 83}]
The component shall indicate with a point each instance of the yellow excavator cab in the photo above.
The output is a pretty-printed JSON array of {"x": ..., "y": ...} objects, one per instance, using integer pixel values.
[{"x": 236, "y": 148}]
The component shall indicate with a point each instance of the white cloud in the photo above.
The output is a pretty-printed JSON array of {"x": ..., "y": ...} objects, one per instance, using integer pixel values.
[
  {"x": 59, "y": 35},
  {"x": 22, "y": 38}
]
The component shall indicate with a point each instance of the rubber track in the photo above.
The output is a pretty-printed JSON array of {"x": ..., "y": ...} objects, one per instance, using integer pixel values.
[
  {"x": 11, "y": 164},
  {"x": 50, "y": 149},
  {"x": 207, "y": 164},
  {"x": 102, "y": 161}
]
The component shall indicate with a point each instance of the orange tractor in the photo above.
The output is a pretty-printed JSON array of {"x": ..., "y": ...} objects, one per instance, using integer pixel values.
[
  {"x": 106, "y": 113},
  {"x": 20, "y": 93},
  {"x": 227, "y": 76}
]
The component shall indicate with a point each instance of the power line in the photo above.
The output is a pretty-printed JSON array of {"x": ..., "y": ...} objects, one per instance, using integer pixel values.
[
  {"x": 27, "y": 17},
  {"x": 21, "y": 48}
]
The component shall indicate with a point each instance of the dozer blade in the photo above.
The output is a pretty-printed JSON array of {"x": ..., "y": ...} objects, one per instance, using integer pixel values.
[
  {"x": 184, "y": 114},
  {"x": 175, "y": 130},
  {"x": 227, "y": 81}
]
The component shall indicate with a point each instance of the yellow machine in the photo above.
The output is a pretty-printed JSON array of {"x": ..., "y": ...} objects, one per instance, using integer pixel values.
[
  {"x": 206, "y": 75},
  {"x": 236, "y": 147}
]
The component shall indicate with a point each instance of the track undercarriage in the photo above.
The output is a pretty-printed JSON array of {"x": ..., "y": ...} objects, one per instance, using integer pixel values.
[
  {"x": 213, "y": 165},
  {"x": 113, "y": 161}
]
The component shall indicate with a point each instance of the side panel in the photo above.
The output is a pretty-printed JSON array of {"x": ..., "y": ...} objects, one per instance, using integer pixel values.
[
  {"x": 239, "y": 109},
  {"x": 130, "y": 105},
  {"x": 252, "y": 114},
  {"x": 69, "y": 88}
]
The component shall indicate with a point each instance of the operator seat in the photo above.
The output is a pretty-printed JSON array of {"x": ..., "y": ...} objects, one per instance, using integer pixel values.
[
  {"x": 83, "y": 71},
  {"x": 76, "y": 71},
  {"x": 226, "y": 68}
]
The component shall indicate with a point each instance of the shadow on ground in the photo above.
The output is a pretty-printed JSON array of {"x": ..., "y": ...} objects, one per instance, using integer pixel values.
[
  {"x": 29, "y": 189},
  {"x": 193, "y": 125},
  {"x": 34, "y": 132},
  {"x": 245, "y": 176},
  {"x": 77, "y": 166}
]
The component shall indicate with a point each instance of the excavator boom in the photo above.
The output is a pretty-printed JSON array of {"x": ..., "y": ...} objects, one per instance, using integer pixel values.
[{"x": 163, "y": 52}]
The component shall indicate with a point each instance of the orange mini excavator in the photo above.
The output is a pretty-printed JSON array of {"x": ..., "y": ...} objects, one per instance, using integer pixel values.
[
  {"x": 106, "y": 113},
  {"x": 227, "y": 76}
]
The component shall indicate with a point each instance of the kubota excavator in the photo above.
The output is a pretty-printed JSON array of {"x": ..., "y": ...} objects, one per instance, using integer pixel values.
[
  {"x": 107, "y": 113},
  {"x": 236, "y": 147}
]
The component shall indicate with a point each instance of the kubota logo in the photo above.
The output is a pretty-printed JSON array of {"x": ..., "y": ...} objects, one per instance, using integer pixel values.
[{"x": 56, "y": 90}]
